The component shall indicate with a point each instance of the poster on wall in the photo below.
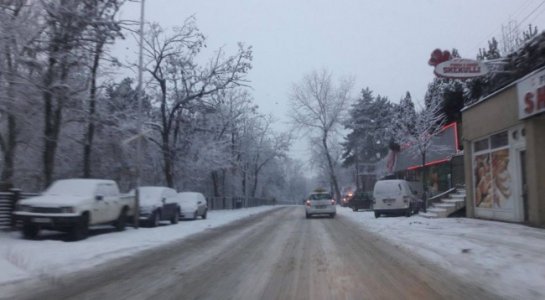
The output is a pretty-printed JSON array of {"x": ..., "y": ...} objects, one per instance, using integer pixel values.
[
  {"x": 502, "y": 184},
  {"x": 493, "y": 181},
  {"x": 483, "y": 181}
]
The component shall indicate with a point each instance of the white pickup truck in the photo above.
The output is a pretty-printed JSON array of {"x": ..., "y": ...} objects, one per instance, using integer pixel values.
[{"x": 72, "y": 205}]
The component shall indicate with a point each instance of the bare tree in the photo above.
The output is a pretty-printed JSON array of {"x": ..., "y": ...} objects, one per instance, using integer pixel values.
[
  {"x": 266, "y": 147},
  {"x": 319, "y": 106},
  {"x": 19, "y": 28},
  {"x": 104, "y": 30},
  {"x": 415, "y": 131},
  {"x": 232, "y": 110},
  {"x": 183, "y": 83}
]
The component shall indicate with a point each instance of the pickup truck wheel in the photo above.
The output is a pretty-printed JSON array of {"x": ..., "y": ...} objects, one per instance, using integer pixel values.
[
  {"x": 175, "y": 218},
  {"x": 121, "y": 221},
  {"x": 30, "y": 231},
  {"x": 80, "y": 230}
]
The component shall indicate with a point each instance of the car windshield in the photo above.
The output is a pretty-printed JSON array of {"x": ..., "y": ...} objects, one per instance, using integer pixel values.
[
  {"x": 72, "y": 188},
  {"x": 187, "y": 197},
  {"x": 150, "y": 195}
]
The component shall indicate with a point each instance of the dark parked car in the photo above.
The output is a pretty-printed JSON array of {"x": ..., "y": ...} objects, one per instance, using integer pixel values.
[
  {"x": 361, "y": 200},
  {"x": 158, "y": 204}
]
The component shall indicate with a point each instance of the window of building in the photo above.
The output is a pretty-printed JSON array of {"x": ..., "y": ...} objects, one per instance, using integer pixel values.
[{"x": 481, "y": 145}]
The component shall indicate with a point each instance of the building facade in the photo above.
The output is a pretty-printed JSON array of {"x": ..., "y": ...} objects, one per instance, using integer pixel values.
[
  {"x": 442, "y": 166},
  {"x": 504, "y": 153}
]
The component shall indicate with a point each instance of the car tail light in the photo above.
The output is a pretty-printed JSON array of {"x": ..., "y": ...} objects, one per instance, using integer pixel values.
[{"x": 332, "y": 202}]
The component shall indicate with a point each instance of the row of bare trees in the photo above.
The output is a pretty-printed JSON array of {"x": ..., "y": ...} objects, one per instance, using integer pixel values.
[
  {"x": 64, "y": 111},
  {"x": 321, "y": 107}
]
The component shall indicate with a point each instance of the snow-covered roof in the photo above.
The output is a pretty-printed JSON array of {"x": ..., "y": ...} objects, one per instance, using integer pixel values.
[{"x": 492, "y": 95}]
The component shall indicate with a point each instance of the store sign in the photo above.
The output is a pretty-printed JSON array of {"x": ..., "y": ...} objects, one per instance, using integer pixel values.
[
  {"x": 531, "y": 95},
  {"x": 461, "y": 68}
]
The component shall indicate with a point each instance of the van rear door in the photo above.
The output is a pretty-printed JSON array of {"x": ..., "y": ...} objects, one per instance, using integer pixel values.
[{"x": 388, "y": 194}]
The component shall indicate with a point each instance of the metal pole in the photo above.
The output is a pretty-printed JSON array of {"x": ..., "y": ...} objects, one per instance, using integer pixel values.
[{"x": 139, "y": 97}]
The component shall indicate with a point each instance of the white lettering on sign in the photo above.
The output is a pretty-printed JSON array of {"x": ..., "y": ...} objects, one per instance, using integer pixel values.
[{"x": 460, "y": 68}]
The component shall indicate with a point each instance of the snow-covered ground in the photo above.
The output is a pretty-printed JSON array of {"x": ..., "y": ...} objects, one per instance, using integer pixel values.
[
  {"x": 23, "y": 259},
  {"x": 508, "y": 259}
]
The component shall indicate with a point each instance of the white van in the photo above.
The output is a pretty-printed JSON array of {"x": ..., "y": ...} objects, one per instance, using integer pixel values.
[{"x": 394, "y": 197}]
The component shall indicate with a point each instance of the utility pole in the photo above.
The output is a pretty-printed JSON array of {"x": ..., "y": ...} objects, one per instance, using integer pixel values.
[{"x": 139, "y": 92}]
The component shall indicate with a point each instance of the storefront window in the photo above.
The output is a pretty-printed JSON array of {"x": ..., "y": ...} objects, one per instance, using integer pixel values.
[
  {"x": 481, "y": 145},
  {"x": 499, "y": 140},
  {"x": 492, "y": 178}
]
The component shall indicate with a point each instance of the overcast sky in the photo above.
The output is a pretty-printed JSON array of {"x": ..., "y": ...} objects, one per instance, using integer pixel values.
[{"x": 384, "y": 44}]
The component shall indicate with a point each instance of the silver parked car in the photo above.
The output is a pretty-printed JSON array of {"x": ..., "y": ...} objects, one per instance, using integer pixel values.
[
  {"x": 192, "y": 205},
  {"x": 320, "y": 203}
]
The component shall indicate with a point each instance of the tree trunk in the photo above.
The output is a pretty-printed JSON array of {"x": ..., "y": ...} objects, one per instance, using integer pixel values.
[
  {"x": 53, "y": 117},
  {"x": 331, "y": 170},
  {"x": 223, "y": 184},
  {"x": 9, "y": 151},
  {"x": 167, "y": 160},
  {"x": 424, "y": 186},
  {"x": 215, "y": 183},
  {"x": 256, "y": 180},
  {"x": 87, "y": 148},
  {"x": 10, "y": 142},
  {"x": 244, "y": 183}
]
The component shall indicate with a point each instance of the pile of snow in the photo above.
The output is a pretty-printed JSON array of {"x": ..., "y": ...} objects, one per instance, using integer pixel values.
[
  {"x": 51, "y": 256},
  {"x": 508, "y": 259}
]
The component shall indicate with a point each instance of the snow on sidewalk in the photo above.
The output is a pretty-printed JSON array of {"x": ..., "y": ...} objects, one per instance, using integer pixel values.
[
  {"x": 25, "y": 259},
  {"x": 508, "y": 259}
]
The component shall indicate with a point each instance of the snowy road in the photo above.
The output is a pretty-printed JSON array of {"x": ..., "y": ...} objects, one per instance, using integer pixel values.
[{"x": 273, "y": 255}]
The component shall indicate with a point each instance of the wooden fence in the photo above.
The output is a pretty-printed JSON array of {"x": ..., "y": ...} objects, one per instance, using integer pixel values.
[{"x": 217, "y": 203}]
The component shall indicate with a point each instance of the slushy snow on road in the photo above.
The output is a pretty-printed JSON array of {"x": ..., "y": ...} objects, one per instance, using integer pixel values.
[
  {"x": 508, "y": 259},
  {"x": 50, "y": 256}
]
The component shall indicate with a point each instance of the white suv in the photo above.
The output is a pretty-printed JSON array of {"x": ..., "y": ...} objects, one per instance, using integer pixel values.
[{"x": 320, "y": 203}]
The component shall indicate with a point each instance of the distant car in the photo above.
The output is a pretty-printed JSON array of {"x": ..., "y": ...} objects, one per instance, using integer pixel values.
[
  {"x": 360, "y": 200},
  {"x": 158, "y": 204},
  {"x": 192, "y": 205},
  {"x": 345, "y": 199},
  {"x": 394, "y": 197},
  {"x": 320, "y": 203}
]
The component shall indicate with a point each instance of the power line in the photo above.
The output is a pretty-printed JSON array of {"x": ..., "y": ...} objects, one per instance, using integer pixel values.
[
  {"x": 533, "y": 11},
  {"x": 537, "y": 15},
  {"x": 514, "y": 16}
]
